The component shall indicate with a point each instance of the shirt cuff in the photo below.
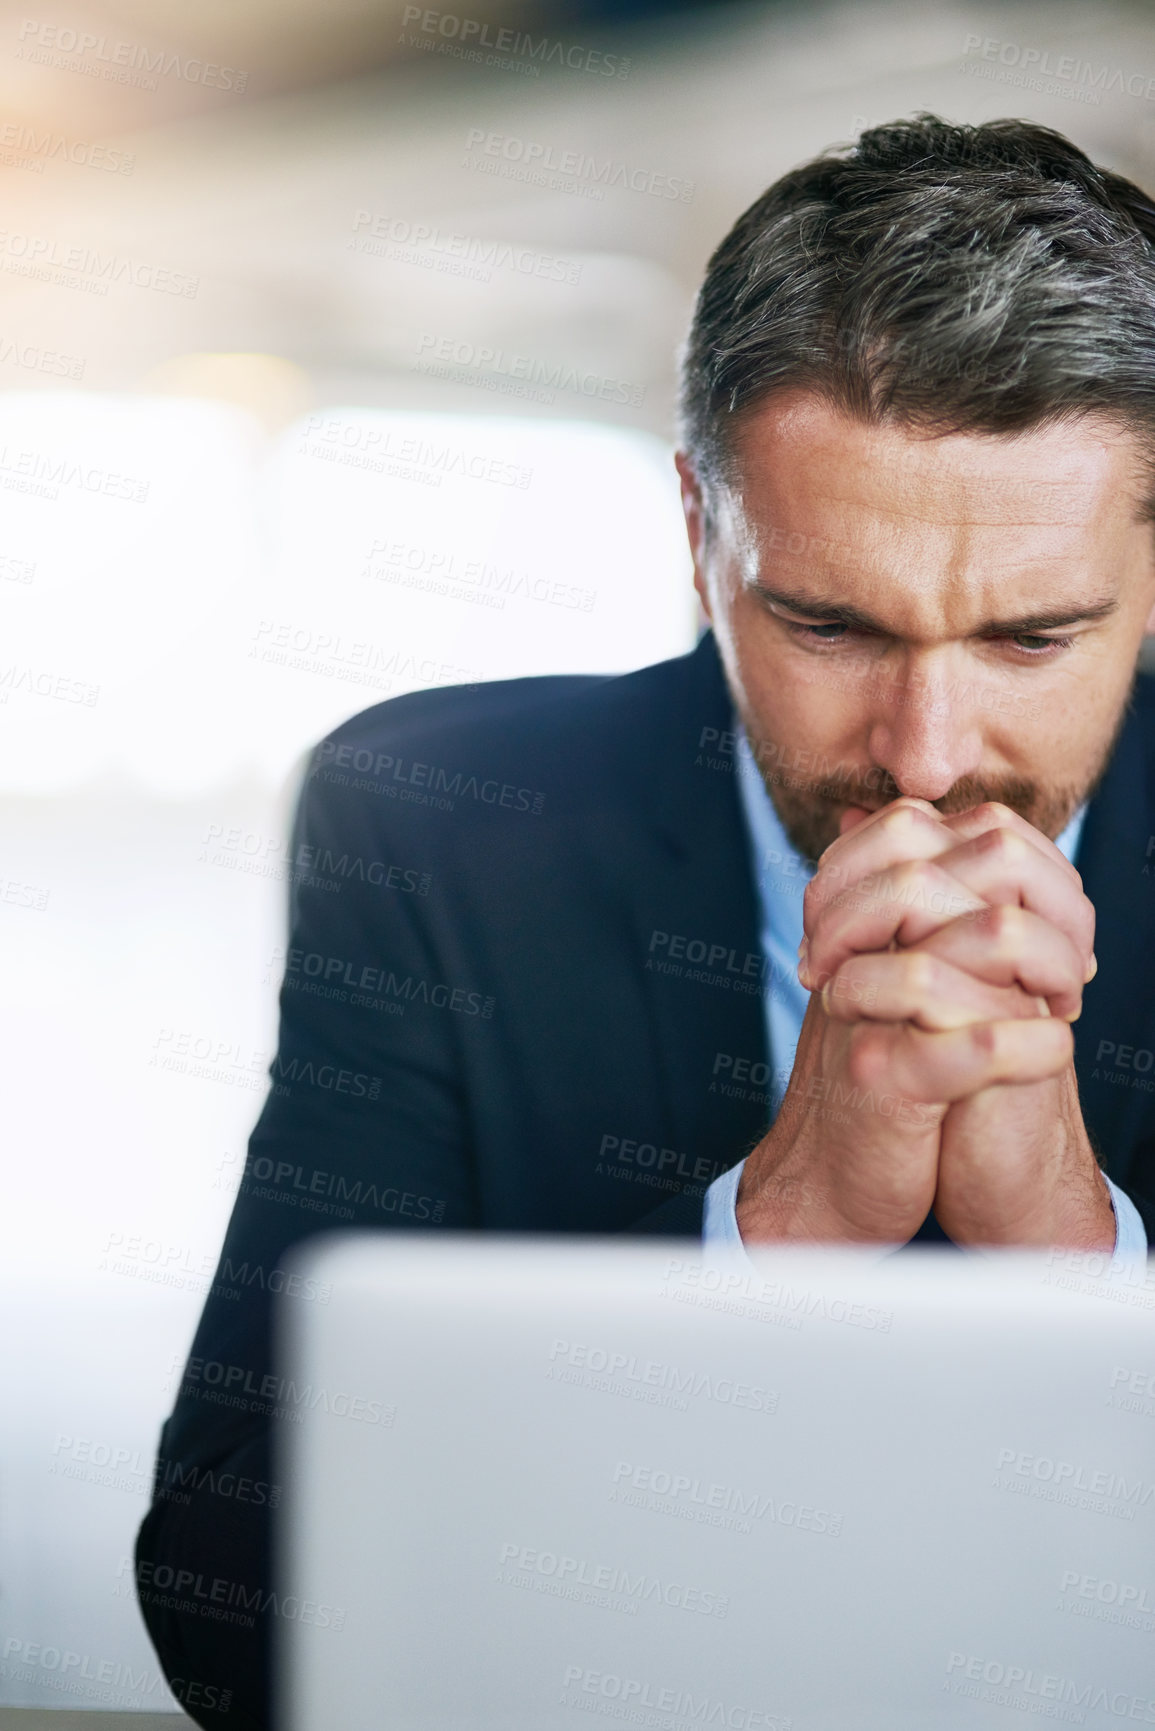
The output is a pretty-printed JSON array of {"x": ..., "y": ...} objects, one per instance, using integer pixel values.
[
  {"x": 1130, "y": 1238},
  {"x": 720, "y": 1234}
]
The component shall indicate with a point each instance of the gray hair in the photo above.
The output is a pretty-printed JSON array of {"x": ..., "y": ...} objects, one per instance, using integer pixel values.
[{"x": 948, "y": 278}]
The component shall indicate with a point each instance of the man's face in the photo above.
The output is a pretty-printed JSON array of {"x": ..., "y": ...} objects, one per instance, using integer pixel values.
[{"x": 954, "y": 618}]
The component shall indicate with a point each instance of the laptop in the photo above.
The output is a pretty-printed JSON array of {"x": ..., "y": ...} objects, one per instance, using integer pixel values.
[{"x": 540, "y": 1484}]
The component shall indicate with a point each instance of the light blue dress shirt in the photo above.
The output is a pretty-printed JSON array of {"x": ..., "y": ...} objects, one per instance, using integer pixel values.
[{"x": 781, "y": 875}]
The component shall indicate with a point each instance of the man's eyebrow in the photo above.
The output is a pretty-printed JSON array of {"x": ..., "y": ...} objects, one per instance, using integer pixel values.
[
  {"x": 831, "y": 612},
  {"x": 1055, "y": 617}
]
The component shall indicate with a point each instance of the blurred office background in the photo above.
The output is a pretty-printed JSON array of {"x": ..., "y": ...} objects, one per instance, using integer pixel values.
[{"x": 336, "y": 360}]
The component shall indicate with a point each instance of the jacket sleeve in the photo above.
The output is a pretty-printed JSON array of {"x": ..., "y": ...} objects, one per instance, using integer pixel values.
[
  {"x": 681, "y": 1217},
  {"x": 364, "y": 1126}
]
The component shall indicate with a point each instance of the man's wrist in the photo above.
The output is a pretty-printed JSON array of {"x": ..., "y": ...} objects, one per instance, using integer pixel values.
[{"x": 723, "y": 1235}]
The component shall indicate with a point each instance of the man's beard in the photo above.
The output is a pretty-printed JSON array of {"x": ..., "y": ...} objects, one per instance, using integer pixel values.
[{"x": 810, "y": 810}]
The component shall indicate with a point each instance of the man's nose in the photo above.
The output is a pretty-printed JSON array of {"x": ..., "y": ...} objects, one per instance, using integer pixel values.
[{"x": 926, "y": 734}]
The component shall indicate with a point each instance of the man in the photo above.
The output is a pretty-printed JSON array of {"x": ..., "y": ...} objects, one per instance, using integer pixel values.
[{"x": 917, "y": 410}]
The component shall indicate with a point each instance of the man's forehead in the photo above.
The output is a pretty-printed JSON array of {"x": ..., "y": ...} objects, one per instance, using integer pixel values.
[{"x": 799, "y": 455}]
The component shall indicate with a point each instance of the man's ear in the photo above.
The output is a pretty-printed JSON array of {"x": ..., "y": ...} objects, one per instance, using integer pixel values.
[{"x": 694, "y": 507}]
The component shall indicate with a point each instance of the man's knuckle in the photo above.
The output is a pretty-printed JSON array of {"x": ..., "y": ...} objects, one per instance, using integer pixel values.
[
  {"x": 986, "y": 1039},
  {"x": 913, "y": 876},
  {"x": 904, "y": 816},
  {"x": 922, "y": 973},
  {"x": 866, "y": 1055},
  {"x": 1005, "y": 846},
  {"x": 1006, "y": 926}
]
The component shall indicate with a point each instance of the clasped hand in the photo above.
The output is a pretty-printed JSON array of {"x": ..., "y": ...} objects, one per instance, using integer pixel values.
[{"x": 946, "y": 959}]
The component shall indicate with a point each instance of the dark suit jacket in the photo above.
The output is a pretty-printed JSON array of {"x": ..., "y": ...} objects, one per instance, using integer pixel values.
[{"x": 482, "y": 1028}]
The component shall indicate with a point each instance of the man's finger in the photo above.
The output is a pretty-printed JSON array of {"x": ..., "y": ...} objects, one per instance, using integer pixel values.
[
  {"x": 1007, "y": 946},
  {"x": 907, "y": 829},
  {"x": 952, "y": 1065},
  {"x": 904, "y": 905},
  {"x": 967, "y": 824},
  {"x": 916, "y": 986},
  {"x": 1001, "y": 867}
]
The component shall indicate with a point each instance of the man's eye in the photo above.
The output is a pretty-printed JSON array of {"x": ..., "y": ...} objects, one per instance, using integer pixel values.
[
  {"x": 830, "y": 632},
  {"x": 1032, "y": 644}
]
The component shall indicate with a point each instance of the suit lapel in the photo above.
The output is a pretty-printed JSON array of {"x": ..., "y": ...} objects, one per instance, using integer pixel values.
[{"x": 696, "y": 926}]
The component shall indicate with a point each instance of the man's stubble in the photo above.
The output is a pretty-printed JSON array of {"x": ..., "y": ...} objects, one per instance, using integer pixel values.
[{"x": 810, "y": 810}]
